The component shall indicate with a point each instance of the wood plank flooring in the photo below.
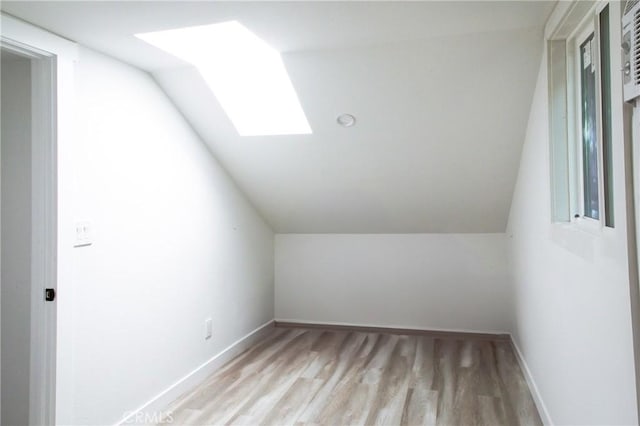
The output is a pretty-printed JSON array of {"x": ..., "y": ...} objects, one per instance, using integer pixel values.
[{"x": 299, "y": 376}]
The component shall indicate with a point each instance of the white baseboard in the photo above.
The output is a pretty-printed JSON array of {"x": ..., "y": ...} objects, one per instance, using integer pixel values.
[
  {"x": 392, "y": 327},
  {"x": 533, "y": 388},
  {"x": 161, "y": 401}
]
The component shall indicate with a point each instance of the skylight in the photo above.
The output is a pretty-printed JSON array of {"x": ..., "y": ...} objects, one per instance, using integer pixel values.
[{"x": 246, "y": 75}]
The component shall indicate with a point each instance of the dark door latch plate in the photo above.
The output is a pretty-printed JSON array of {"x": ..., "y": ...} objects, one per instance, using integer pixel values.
[{"x": 49, "y": 294}]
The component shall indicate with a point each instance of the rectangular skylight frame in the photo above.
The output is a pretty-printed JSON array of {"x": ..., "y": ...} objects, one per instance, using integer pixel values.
[{"x": 246, "y": 75}]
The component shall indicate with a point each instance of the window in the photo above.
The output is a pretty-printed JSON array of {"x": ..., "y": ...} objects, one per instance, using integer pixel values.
[
  {"x": 588, "y": 127},
  {"x": 580, "y": 122},
  {"x": 246, "y": 75}
]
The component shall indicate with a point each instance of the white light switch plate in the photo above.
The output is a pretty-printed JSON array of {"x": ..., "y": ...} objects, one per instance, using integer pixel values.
[{"x": 84, "y": 235}]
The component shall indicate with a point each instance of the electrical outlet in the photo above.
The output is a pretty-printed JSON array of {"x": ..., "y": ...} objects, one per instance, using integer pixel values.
[{"x": 208, "y": 328}]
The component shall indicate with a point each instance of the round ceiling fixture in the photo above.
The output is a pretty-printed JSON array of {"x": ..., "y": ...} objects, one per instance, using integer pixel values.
[{"x": 346, "y": 120}]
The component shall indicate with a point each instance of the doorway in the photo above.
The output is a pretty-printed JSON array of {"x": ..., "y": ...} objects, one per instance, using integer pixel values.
[
  {"x": 15, "y": 232},
  {"x": 27, "y": 236}
]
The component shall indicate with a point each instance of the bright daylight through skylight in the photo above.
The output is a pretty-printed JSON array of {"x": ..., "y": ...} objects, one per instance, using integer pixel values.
[{"x": 246, "y": 75}]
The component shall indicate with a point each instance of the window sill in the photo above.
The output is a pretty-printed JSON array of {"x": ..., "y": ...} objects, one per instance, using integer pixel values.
[
  {"x": 590, "y": 226},
  {"x": 575, "y": 237}
]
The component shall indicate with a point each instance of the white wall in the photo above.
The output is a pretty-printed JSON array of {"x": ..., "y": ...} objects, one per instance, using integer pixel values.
[
  {"x": 174, "y": 243},
  {"x": 427, "y": 281},
  {"x": 571, "y": 288},
  {"x": 16, "y": 238}
]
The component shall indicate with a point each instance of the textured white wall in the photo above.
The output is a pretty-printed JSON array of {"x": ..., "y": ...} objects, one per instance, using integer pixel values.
[
  {"x": 16, "y": 238},
  {"x": 428, "y": 281},
  {"x": 175, "y": 242},
  {"x": 571, "y": 288}
]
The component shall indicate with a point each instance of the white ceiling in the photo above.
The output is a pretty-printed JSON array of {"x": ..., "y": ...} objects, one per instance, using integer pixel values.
[{"x": 441, "y": 92}]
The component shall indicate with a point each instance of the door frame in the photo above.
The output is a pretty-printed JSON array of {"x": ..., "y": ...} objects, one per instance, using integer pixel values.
[
  {"x": 43, "y": 231},
  {"x": 52, "y": 126}
]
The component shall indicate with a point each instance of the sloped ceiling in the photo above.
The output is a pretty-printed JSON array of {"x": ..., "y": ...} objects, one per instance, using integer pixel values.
[{"x": 441, "y": 92}]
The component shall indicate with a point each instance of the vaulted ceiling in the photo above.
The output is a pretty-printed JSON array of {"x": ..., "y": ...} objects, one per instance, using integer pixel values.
[{"x": 441, "y": 92}]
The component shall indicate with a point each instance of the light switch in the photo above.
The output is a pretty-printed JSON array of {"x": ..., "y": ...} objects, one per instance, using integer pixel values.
[{"x": 83, "y": 234}]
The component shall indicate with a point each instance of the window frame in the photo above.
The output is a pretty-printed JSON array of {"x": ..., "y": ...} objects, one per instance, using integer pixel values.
[
  {"x": 566, "y": 150},
  {"x": 583, "y": 32}
]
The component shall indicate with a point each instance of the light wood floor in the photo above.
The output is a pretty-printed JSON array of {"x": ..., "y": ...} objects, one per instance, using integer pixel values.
[{"x": 325, "y": 377}]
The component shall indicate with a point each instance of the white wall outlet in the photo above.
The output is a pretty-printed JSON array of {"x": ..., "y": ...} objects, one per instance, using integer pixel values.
[
  {"x": 208, "y": 328},
  {"x": 84, "y": 235}
]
